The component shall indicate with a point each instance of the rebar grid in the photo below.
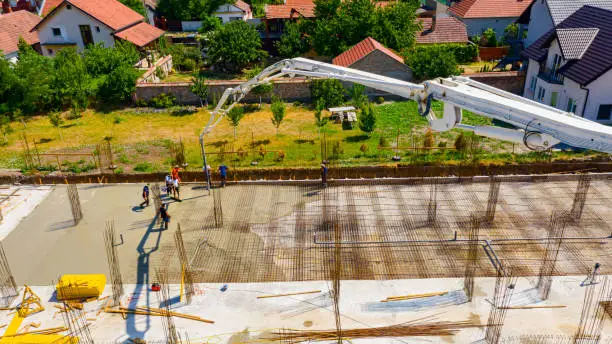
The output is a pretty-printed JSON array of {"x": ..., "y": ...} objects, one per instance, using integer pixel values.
[
  {"x": 113, "y": 262},
  {"x": 164, "y": 301},
  {"x": 74, "y": 317},
  {"x": 187, "y": 275},
  {"x": 472, "y": 258},
  {"x": 593, "y": 312},
  {"x": 75, "y": 203},
  {"x": 8, "y": 287},
  {"x": 582, "y": 190}
]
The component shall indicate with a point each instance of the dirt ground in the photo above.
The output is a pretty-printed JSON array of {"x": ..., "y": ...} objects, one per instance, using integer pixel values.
[{"x": 285, "y": 233}]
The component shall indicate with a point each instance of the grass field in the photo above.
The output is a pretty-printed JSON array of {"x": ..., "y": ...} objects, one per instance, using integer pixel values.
[{"x": 141, "y": 138}]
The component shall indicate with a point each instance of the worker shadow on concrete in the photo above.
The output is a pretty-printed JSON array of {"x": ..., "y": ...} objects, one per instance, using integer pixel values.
[
  {"x": 144, "y": 279},
  {"x": 452, "y": 298},
  {"x": 58, "y": 226}
]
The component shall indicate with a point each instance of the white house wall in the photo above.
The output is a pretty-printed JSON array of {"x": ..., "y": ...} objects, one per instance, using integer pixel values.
[
  {"x": 600, "y": 92},
  {"x": 533, "y": 69},
  {"x": 478, "y": 26},
  {"x": 540, "y": 22},
  {"x": 68, "y": 22},
  {"x": 230, "y": 12}
]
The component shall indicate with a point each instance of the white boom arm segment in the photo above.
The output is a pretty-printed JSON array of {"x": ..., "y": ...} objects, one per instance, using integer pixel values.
[{"x": 539, "y": 126}]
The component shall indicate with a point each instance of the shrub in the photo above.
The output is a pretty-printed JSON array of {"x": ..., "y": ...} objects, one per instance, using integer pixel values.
[
  {"x": 382, "y": 142},
  {"x": 442, "y": 144},
  {"x": 380, "y": 100},
  {"x": 432, "y": 62},
  {"x": 328, "y": 92},
  {"x": 143, "y": 167},
  {"x": 428, "y": 140},
  {"x": 367, "y": 119},
  {"x": 461, "y": 143},
  {"x": 280, "y": 156},
  {"x": 119, "y": 85},
  {"x": 489, "y": 38},
  {"x": 363, "y": 148},
  {"x": 163, "y": 101},
  {"x": 117, "y": 119}
]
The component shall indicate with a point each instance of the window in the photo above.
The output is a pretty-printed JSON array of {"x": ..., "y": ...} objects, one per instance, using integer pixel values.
[
  {"x": 571, "y": 105},
  {"x": 50, "y": 51},
  {"x": 553, "y": 99},
  {"x": 69, "y": 6},
  {"x": 97, "y": 29},
  {"x": 541, "y": 94},
  {"x": 86, "y": 34},
  {"x": 532, "y": 85},
  {"x": 56, "y": 31},
  {"x": 235, "y": 18},
  {"x": 604, "y": 112}
]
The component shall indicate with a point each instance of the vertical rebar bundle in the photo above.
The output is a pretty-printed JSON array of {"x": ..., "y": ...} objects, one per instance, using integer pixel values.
[
  {"x": 556, "y": 231},
  {"x": 217, "y": 208},
  {"x": 336, "y": 277},
  {"x": 113, "y": 262},
  {"x": 8, "y": 287},
  {"x": 504, "y": 288},
  {"x": 494, "y": 185},
  {"x": 593, "y": 312},
  {"x": 75, "y": 203},
  {"x": 433, "y": 203},
  {"x": 105, "y": 155},
  {"x": 187, "y": 275},
  {"x": 472, "y": 257},
  {"x": 580, "y": 196},
  {"x": 169, "y": 328},
  {"x": 75, "y": 318}
]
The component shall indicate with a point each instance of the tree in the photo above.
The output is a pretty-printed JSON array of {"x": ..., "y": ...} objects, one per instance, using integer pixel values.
[
  {"x": 489, "y": 38},
  {"x": 278, "y": 112},
  {"x": 235, "y": 46},
  {"x": 56, "y": 121},
  {"x": 235, "y": 115},
  {"x": 200, "y": 88},
  {"x": 210, "y": 23},
  {"x": 262, "y": 90},
  {"x": 342, "y": 24},
  {"x": 119, "y": 85},
  {"x": 136, "y": 5},
  {"x": 329, "y": 91},
  {"x": 70, "y": 82},
  {"x": 437, "y": 61},
  {"x": 32, "y": 91},
  {"x": 320, "y": 121},
  {"x": 358, "y": 97},
  {"x": 293, "y": 42},
  {"x": 102, "y": 60},
  {"x": 188, "y": 9},
  {"x": 367, "y": 119}
]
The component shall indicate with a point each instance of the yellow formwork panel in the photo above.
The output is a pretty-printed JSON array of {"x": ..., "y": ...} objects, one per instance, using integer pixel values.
[
  {"x": 40, "y": 339},
  {"x": 72, "y": 287}
]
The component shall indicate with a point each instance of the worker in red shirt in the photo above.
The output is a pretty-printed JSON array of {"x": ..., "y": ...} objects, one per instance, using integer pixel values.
[{"x": 175, "y": 173}]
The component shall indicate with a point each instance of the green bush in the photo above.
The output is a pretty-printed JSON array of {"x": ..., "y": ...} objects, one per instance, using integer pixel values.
[
  {"x": 119, "y": 85},
  {"x": 489, "y": 38},
  {"x": 380, "y": 100},
  {"x": 163, "y": 101},
  {"x": 328, "y": 92},
  {"x": 432, "y": 62},
  {"x": 463, "y": 53},
  {"x": 143, "y": 167}
]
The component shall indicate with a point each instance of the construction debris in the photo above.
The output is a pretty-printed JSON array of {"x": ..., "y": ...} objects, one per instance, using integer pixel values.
[
  {"x": 414, "y": 296},
  {"x": 30, "y": 304}
]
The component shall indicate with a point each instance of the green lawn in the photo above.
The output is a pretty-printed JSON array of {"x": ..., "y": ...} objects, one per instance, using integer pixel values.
[{"x": 141, "y": 140}]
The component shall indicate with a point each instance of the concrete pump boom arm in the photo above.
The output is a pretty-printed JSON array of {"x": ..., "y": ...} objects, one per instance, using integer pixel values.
[{"x": 538, "y": 126}]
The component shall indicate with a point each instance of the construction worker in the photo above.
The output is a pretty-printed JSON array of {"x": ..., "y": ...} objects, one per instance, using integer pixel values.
[
  {"x": 168, "y": 185},
  {"x": 223, "y": 173},
  {"x": 175, "y": 173},
  {"x": 145, "y": 195},
  {"x": 324, "y": 171},
  {"x": 165, "y": 217},
  {"x": 175, "y": 189}
]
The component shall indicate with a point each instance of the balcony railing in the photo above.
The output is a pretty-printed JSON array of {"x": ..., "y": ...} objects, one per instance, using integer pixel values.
[{"x": 551, "y": 76}]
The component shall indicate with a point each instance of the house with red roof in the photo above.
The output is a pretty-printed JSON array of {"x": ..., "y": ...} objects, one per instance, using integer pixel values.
[
  {"x": 479, "y": 15},
  {"x": 371, "y": 56},
  {"x": 15, "y": 25},
  {"x": 78, "y": 23}
]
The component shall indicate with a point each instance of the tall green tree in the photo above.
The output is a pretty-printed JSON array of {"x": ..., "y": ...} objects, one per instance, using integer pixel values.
[
  {"x": 438, "y": 61},
  {"x": 358, "y": 97},
  {"x": 200, "y": 88},
  {"x": 262, "y": 90},
  {"x": 56, "y": 120},
  {"x": 188, "y": 9},
  {"x": 71, "y": 83},
  {"x": 235, "y": 46},
  {"x": 293, "y": 42},
  {"x": 234, "y": 116},
  {"x": 278, "y": 112},
  {"x": 119, "y": 86},
  {"x": 367, "y": 119},
  {"x": 32, "y": 92},
  {"x": 328, "y": 91}
]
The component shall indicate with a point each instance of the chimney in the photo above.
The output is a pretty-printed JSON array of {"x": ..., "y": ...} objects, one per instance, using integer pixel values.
[{"x": 433, "y": 23}]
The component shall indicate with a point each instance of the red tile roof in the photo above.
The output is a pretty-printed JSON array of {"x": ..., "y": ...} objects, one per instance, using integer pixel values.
[
  {"x": 489, "y": 8},
  {"x": 243, "y": 6},
  {"x": 361, "y": 50},
  {"x": 447, "y": 30},
  {"x": 140, "y": 34},
  {"x": 49, "y": 5},
  {"x": 14, "y": 25},
  {"x": 291, "y": 9},
  {"x": 112, "y": 13}
]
